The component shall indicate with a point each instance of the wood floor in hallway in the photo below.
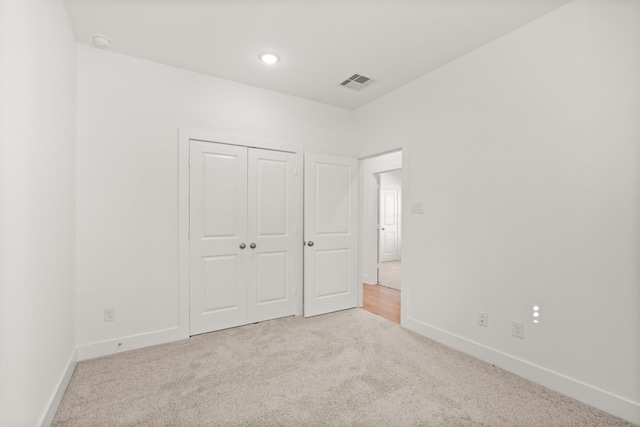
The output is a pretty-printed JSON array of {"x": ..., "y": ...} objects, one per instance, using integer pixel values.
[{"x": 382, "y": 301}]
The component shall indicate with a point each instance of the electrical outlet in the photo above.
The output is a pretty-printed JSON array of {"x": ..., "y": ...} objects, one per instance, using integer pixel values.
[
  {"x": 517, "y": 329},
  {"x": 109, "y": 314},
  {"x": 483, "y": 318}
]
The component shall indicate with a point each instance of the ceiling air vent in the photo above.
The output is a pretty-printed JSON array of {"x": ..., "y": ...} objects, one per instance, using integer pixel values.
[{"x": 357, "y": 82}]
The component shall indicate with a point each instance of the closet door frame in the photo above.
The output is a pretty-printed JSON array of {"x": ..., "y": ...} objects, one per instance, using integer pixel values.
[{"x": 186, "y": 135}]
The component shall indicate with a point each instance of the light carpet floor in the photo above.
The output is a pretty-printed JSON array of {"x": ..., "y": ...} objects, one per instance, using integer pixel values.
[
  {"x": 346, "y": 368},
  {"x": 391, "y": 274}
]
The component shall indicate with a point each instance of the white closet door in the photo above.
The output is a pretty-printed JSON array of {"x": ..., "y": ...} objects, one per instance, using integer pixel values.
[
  {"x": 331, "y": 234},
  {"x": 218, "y": 228},
  {"x": 242, "y": 235},
  {"x": 271, "y": 281}
]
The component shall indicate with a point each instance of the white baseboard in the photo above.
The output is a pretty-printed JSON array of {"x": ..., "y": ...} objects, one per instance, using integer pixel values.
[
  {"x": 132, "y": 342},
  {"x": 593, "y": 396},
  {"x": 56, "y": 398}
]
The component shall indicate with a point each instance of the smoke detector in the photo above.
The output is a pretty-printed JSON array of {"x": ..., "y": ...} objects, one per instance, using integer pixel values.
[
  {"x": 357, "y": 82},
  {"x": 101, "y": 41}
]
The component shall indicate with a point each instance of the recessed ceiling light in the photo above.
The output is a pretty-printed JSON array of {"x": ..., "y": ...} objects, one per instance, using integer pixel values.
[
  {"x": 101, "y": 41},
  {"x": 269, "y": 58}
]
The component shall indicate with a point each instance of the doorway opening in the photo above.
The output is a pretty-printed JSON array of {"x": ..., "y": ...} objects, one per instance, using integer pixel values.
[{"x": 381, "y": 235}]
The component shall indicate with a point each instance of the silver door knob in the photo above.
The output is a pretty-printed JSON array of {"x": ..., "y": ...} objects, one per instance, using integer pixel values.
[
  {"x": 252, "y": 246},
  {"x": 242, "y": 246},
  {"x": 310, "y": 243}
]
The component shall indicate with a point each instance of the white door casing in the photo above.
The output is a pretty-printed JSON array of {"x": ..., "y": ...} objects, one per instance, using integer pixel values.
[
  {"x": 242, "y": 235},
  {"x": 331, "y": 234},
  {"x": 389, "y": 247}
]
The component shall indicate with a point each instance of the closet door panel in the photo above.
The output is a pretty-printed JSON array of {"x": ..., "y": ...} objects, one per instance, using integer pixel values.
[
  {"x": 271, "y": 225},
  {"x": 218, "y": 227}
]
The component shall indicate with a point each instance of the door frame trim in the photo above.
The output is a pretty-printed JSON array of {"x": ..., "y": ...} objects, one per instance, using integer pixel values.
[{"x": 184, "y": 136}]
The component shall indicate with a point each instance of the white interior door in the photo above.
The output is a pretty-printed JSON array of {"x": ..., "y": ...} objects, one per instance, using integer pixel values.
[
  {"x": 242, "y": 235},
  {"x": 389, "y": 247},
  {"x": 272, "y": 230},
  {"x": 217, "y": 230},
  {"x": 331, "y": 234}
]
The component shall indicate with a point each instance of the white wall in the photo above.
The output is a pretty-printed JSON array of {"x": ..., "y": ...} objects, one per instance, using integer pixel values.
[
  {"x": 129, "y": 113},
  {"x": 369, "y": 210},
  {"x": 526, "y": 153},
  {"x": 37, "y": 213}
]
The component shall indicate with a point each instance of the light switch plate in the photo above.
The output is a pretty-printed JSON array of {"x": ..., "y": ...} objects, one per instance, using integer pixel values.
[{"x": 417, "y": 208}]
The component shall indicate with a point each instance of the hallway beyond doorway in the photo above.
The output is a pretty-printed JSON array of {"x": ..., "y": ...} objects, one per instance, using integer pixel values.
[{"x": 390, "y": 274}]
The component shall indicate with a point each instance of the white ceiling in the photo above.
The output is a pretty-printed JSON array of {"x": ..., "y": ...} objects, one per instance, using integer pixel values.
[{"x": 321, "y": 42}]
